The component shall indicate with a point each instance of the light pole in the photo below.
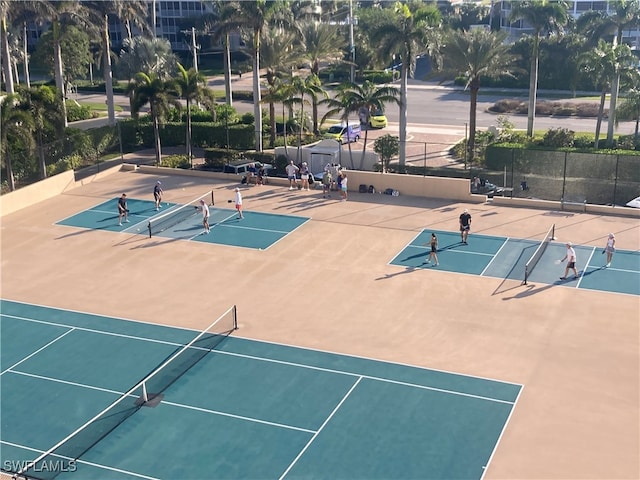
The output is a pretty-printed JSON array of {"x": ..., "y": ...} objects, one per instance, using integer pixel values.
[{"x": 352, "y": 21}]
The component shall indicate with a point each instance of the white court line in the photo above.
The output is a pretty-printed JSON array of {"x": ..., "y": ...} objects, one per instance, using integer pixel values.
[
  {"x": 295, "y": 460},
  {"x": 504, "y": 428},
  {"x": 613, "y": 269},
  {"x": 495, "y": 255},
  {"x": 83, "y": 462},
  {"x": 66, "y": 382},
  {"x": 40, "y": 349},
  {"x": 211, "y": 227},
  {"x": 585, "y": 267},
  {"x": 163, "y": 326}
]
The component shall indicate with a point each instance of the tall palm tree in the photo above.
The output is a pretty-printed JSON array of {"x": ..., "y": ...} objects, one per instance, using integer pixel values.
[
  {"x": 476, "y": 54},
  {"x": 4, "y": 47},
  {"x": 192, "y": 85},
  {"x": 410, "y": 33},
  {"x": 16, "y": 125},
  {"x": 221, "y": 24},
  {"x": 543, "y": 16},
  {"x": 626, "y": 14},
  {"x": 255, "y": 16},
  {"x": 280, "y": 52},
  {"x": 310, "y": 87},
  {"x": 323, "y": 45},
  {"x": 371, "y": 97},
  {"x": 160, "y": 95}
]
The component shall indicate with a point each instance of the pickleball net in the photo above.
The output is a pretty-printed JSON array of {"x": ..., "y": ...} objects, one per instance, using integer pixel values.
[
  {"x": 147, "y": 392},
  {"x": 533, "y": 261},
  {"x": 171, "y": 218}
]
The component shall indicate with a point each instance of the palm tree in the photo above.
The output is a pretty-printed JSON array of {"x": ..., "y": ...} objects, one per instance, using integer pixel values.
[
  {"x": 311, "y": 87},
  {"x": 255, "y": 16},
  {"x": 409, "y": 34},
  {"x": 221, "y": 24},
  {"x": 599, "y": 65},
  {"x": 629, "y": 109},
  {"x": 150, "y": 55},
  {"x": 476, "y": 54},
  {"x": 4, "y": 47},
  {"x": 372, "y": 98},
  {"x": 192, "y": 85},
  {"x": 343, "y": 106},
  {"x": 45, "y": 105},
  {"x": 323, "y": 45},
  {"x": 16, "y": 125},
  {"x": 279, "y": 54},
  {"x": 598, "y": 25},
  {"x": 542, "y": 16},
  {"x": 160, "y": 95}
]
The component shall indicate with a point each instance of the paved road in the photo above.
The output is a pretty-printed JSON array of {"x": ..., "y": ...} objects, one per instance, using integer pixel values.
[{"x": 430, "y": 105}]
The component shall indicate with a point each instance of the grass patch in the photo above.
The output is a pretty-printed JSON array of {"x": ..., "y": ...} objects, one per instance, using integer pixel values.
[{"x": 99, "y": 107}]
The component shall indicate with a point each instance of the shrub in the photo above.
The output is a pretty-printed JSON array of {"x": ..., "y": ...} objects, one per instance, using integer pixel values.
[
  {"x": 176, "y": 161},
  {"x": 583, "y": 141},
  {"x": 262, "y": 157},
  {"x": 508, "y": 106},
  {"x": 558, "y": 137},
  {"x": 281, "y": 163},
  {"x": 247, "y": 118},
  {"x": 76, "y": 112},
  {"x": 378, "y": 76},
  {"x": 216, "y": 158},
  {"x": 243, "y": 95},
  {"x": 67, "y": 163}
]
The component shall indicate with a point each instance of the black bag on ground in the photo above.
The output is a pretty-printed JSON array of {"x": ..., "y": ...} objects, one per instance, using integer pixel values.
[
  {"x": 362, "y": 188},
  {"x": 372, "y": 189}
]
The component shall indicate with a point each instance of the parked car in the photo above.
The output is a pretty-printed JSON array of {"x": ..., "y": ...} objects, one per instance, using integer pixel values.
[
  {"x": 243, "y": 168},
  {"x": 344, "y": 133},
  {"x": 378, "y": 119}
]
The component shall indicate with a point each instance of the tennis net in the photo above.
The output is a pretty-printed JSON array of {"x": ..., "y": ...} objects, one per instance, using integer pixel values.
[
  {"x": 162, "y": 222},
  {"x": 533, "y": 261},
  {"x": 147, "y": 392}
]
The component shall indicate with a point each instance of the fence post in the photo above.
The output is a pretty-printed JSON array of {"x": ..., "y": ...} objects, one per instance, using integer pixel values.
[
  {"x": 615, "y": 181},
  {"x": 564, "y": 177}
]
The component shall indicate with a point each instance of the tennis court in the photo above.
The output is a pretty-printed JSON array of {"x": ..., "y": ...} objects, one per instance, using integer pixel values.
[
  {"x": 506, "y": 257},
  {"x": 184, "y": 222},
  {"x": 228, "y": 408}
]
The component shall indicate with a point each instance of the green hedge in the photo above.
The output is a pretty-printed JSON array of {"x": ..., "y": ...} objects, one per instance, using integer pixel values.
[{"x": 203, "y": 134}]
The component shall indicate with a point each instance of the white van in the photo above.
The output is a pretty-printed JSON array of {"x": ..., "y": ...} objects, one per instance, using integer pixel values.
[{"x": 344, "y": 133}]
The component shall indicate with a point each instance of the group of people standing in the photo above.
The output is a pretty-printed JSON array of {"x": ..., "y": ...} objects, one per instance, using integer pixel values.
[{"x": 333, "y": 177}]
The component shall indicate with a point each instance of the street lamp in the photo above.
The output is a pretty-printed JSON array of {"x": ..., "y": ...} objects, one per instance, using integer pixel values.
[{"x": 352, "y": 48}]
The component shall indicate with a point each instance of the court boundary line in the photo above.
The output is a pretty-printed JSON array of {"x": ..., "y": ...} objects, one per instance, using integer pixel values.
[
  {"x": 264, "y": 341},
  {"x": 84, "y": 462},
  {"x": 584, "y": 269},
  {"x": 38, "y": 350},
  {"x": 502, "y": 432},
  {"x": 304, "y": 449},
  {"x": 495, "y": 255},
  {"x": 310, "y": 367}
]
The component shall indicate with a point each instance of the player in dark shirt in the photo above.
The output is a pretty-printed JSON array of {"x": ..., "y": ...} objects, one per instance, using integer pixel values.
[
  {"x": 465, "y": 225},
  {"x": 157, "y": 194},
  {"x": 123, "y": 211}
]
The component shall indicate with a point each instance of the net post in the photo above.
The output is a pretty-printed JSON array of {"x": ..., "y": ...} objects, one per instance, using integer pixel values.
[
  {"x": 212, "y": 200},
  {"x": 149, "y": 228},
  {"x": 235, "y": 317},
  {"x": 553, "y": 232},
  {"x": 145, "y": 396}
]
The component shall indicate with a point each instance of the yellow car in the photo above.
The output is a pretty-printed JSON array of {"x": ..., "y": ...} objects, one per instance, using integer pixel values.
[{"x": 378, "y": 119}]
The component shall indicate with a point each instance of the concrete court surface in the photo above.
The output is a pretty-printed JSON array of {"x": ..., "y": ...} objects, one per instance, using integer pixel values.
[{"x": 329, "y": 286}]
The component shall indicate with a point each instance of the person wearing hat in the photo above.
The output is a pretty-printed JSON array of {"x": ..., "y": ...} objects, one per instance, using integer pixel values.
[
  {"x": 304, "y": 176},
  {"x": 239, "y": 203},
  {"x": 465, "y": 225},
  {"x": 570, "y": 257},
  {"x": 123, "y": 211},
  {"x": 157, "y": 194},
  {"x": 610, "y": 248}
]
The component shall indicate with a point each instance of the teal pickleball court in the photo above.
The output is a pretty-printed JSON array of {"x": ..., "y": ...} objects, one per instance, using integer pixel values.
[
  {"x": 183, "y": 222},
  {"x": 236, "y": 408},
  {"x": 503, "y": 257}
]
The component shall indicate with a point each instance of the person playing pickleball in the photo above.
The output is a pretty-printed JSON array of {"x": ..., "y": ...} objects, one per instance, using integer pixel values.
[
  {"x": 123, "y": 211},
  {"x": 465, "y": 225}
]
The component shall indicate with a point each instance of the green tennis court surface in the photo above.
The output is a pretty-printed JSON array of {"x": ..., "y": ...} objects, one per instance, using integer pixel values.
[
  {"x": 503, "y": 257},
  {"x": 248, "y": 409},
  {"x": 257, "y": 230}
]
